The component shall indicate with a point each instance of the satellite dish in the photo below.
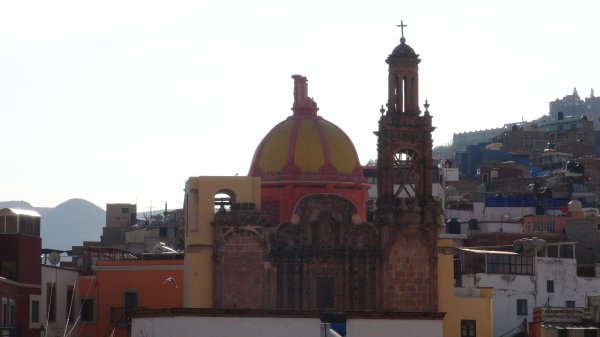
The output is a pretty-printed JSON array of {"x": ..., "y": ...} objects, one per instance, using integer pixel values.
[{"x": 54, "y": 258}]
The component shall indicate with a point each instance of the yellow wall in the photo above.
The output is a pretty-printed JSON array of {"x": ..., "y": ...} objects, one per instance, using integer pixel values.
[
  {"x": 200, "y": 193},
  {"x": 457, "y": 305}
]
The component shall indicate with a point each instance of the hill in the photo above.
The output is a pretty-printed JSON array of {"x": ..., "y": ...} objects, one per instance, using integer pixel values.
[
  {"x": 24, "y": 205},
  {"x": 67, "y": 224},
  {"x": 71, "y": 223}
]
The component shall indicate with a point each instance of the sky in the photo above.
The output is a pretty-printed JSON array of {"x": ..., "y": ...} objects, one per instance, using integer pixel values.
[{"x": 123, "y": 101}]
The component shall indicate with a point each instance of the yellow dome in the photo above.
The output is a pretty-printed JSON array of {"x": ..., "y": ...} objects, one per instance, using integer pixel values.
[{"x": 306, "y": 147}]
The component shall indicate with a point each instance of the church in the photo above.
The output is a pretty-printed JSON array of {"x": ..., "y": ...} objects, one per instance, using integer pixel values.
[{"x": 291, "y": 239}]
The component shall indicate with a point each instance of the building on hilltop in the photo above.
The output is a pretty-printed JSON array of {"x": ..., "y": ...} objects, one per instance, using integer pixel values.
[{"x": 573, "y": 105}]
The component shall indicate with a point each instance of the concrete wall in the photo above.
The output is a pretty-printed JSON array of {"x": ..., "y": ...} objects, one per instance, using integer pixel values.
[{"x": 115, "y": 217}]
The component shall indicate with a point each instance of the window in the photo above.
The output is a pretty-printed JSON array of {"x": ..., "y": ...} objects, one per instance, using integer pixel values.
[
  {"x": 11, "y": 313},
  {"x": 550, "y": 286},
  {"x": 570, "y": 304},
  {"x": 51, "y": 301},
  {"x": 8, "y": 269},
  {"x": 87, "y": 310},
  {"x": 70, "y": 304},
  {"x": 467, "y": 328},
  {"x": 590, "y": 333},
  {"x": 4, "y": 312},
  {"x": 509, "y": 264},
  {"x": 131, "y": 300},
  {"x": 324, "y": 292},
  {"x": 35, "y": 311},
  {"x": 563, "y": 333},
  {"x": 521, "y": 307},
  {"x": 538, "y": 227},
  {"x": 125, "y": 210}
]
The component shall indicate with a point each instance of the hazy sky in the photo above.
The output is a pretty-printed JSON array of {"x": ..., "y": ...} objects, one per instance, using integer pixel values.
[{"x": 122, "y": 101}]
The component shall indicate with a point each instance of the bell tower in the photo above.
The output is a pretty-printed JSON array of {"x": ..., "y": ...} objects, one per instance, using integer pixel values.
[
  {"x": 404, "y": 164},
  {"x": 407, "y": 214}
]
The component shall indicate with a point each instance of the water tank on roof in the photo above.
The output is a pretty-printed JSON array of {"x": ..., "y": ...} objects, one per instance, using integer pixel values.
[
  {"x": 574, "y": 206},
  {"x": 532, "y": 245},
  {"x": 473, "y": 225},
  {"x": 453, "y": 226}
]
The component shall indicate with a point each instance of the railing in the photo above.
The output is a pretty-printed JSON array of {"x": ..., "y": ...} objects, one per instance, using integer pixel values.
[
  {"x": 6, "y": 331},
  {"x": 121, "y": 316},
  {"x": 6, "y": 273}
]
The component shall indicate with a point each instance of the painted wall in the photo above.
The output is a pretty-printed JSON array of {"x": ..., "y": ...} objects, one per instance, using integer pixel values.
[
  {"x": 200, "y": 194},
  {"x": 469, "y": 303},
  {"x": 147, "y": 278}
]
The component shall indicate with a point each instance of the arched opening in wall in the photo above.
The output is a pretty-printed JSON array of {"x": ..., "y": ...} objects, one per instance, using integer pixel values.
[
  {"x": 399, "y": 94},
  {"x": 405, "y": 94},
  {"x": 223, "y": 201},
  {"x": 370, "y": 210},
  {"x": 406, "y": 164}
]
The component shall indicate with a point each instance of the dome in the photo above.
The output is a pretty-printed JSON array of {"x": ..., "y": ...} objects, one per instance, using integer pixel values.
[
  {"x": 402, "y": 51},
  {"x": 306, "y": 147}
]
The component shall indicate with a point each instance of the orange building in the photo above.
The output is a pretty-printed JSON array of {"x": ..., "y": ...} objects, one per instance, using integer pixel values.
[{"x": 118, "y": 283}]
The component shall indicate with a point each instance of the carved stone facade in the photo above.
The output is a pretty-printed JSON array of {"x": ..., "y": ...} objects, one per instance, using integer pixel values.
[{"x": 322, "y": 259}]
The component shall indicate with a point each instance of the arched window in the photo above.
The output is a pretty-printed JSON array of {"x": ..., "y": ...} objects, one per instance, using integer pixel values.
[
  {"x": 223, "y": 201},
  {"x": 405, "y": 171}
]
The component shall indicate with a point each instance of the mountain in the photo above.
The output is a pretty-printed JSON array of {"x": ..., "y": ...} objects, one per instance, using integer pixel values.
[
  {"x": 24, "y": 205},
  {"x": 68, "y": 224},
  {"x": 71, "y": 223}
]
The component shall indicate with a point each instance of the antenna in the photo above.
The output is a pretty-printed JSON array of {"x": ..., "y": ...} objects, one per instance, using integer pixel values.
[{"x": 150, "y": 207}]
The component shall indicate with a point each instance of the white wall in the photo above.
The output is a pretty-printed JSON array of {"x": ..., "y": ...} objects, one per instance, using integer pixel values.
[
  {"x": 482, "y": 213},
  {"x": 198, "y": 326},
  {"x": 533, "y": 288},
  {"x": 507, "y": 289},
  {"x": 394, "y": 327},
  {"x": 62, "y": 277}
]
